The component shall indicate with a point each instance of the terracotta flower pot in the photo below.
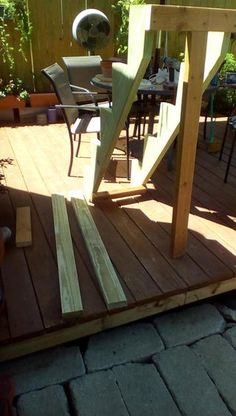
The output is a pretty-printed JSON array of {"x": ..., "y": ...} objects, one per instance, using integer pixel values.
[
  {"x": 106, "y": 66},
  {"x": 11, "y": 101},
  {"x": 43, "y": 99}
]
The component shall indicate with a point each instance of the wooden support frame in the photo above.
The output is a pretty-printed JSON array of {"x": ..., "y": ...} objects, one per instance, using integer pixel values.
[{"x": 199, "y": 23}]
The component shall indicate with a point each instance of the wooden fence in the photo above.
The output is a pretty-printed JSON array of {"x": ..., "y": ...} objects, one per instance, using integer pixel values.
[{"x": 52, "y": 38}]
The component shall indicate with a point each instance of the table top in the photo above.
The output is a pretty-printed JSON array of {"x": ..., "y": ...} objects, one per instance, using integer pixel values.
[{"x": 146, "y": 87}]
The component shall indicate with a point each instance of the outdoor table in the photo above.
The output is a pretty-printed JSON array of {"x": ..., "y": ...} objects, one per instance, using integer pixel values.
[{"x": 147, "y": 91}]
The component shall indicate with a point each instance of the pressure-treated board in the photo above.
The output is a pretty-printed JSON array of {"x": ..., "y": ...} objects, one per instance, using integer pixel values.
[
  {"x": 23, "y": 227},
  {"x": 120, "y": 193},
  {"x": 195, "y": 52},
  {"x": 71, "y": 302},
  {"x": 109, "y": 283}
]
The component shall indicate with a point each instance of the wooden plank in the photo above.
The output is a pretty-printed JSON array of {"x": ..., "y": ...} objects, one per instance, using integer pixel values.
[
  {"x": 192, "y": 19},
  {"x": 23, "y": 227},
  {"x": 71, "y": 302},
  {"x": 151, "y": 259},
  {"x": 109, "y": 283},
  {"x": 208, "y": 252},
  {"x": 21, "y": 302},
  {"x": 146, "y": 215},
  {"x": 187, "y": 140},
  {"x": 131, "y": 271},
  {"x": 118, "y": 193},
  {"x": 41, "y": 257}
]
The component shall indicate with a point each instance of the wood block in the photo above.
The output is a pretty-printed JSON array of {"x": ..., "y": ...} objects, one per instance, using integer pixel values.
[
  {"x": 119, "y": 193},
  {"x": 23, "y": 227},
  {"x": 71, "y": 303},
  {"x": 103, "y": 268}
]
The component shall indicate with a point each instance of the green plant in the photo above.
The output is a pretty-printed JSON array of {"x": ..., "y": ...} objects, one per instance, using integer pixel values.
[
  {"x": 121, "y": 10},
  {"x": 17, "y": 11},
  {"x": 229, "y": 65},
  {"x": 225, "y": 98},
  {"x": 13, "y": 87}
]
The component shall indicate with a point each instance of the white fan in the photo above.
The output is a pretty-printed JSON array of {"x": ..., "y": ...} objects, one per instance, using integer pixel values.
[{"x": 91, "y": 29}]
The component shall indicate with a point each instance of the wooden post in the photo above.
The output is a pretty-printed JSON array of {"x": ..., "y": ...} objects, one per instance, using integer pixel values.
[{"x": 187, "y": 140}]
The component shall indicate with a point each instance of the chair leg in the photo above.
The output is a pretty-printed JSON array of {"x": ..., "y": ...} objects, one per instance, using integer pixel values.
[
  {"x": 205, "y": 126},
  {"x": 78, "y": 146},
  {"x": 127, "y": 147},
  {"x": 230, "y": 157},
  {"x": 71, "y": 153},
  {"x": 224, "y": 139}
]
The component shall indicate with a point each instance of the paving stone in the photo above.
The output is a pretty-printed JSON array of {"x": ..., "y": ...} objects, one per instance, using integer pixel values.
[
  {"x": 43, "y": 369},
  {"x": 228, "y": 313},
  {"x": 186, "y": 326},
  {"x": 190, "y": 385},
  {"x": 143, "y": 391},
  {"x": 131, "y": 343},
  {"x": 46, "y": 402},
  {"x": 219, "y": 359},
  {"x": 230, "y": 335},
  {"x": 97, "y": 394}
]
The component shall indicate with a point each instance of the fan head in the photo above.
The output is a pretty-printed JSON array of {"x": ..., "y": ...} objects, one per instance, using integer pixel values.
[{"x": 91, "y": 29}]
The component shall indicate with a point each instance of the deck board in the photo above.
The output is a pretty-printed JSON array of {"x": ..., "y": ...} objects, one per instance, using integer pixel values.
[{"x": 136, "y": 232}]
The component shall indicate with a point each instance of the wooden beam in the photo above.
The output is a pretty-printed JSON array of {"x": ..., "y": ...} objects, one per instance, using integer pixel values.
[
  {"x": 107, "y": 278},
  {"x": 71, "y": 303},
  {"x": 119, "y": 193},
  {"x": 187, "y": 140},
  {"x": 23, "y": 227},
  {"x": 192, "y": 19},
  {"x": 126, "y": 79}
]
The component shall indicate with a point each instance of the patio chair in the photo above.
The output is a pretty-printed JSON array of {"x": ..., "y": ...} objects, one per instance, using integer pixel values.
[
  {"x": 78, "y": 118},
  {"x": 80, "y": 71}
]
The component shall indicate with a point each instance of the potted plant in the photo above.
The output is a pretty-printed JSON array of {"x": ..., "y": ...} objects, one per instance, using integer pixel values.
[{"x": 12, "y": 94}]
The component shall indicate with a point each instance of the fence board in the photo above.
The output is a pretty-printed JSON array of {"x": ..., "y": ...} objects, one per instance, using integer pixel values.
[{"x": 52, "y": 38}]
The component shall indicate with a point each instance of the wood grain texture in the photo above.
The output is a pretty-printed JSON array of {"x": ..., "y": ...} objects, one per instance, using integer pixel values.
[
  {"x": 23, "y": 227},
  {"x": 161, "y": 272},
  {"x": 71, "y": 302},
  {"x": 138, "y": 232},
  {"x": 108, "y": 280},
  {"x": 118, "y": 193},
  {"x": 76, "y": 331},
  {"x": 192, "y": 19},
  {"x": 195, "y": 53}
]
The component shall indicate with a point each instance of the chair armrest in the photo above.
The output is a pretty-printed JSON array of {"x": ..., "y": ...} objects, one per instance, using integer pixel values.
[
  {"x": 92, "y": 94},
  {"x": 90, "y": 107}
]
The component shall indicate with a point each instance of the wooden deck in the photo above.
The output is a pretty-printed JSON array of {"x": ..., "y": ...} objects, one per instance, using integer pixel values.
[{"x": 136, "y": 233}]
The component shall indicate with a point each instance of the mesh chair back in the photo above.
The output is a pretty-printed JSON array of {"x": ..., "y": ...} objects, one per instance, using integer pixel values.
[
  {"x": 80, "y": 70},
  {"x": 61, "y": 86}
]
